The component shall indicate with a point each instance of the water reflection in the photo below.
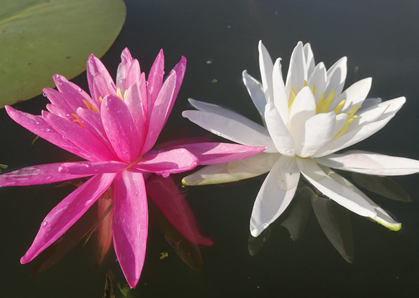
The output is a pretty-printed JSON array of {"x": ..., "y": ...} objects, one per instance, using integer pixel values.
[
  {"x": 168, "y": 210},
  {"x": 332, "y": 218}
]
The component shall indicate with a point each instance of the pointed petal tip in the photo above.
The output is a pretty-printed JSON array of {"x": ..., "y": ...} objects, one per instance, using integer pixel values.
[
  {"x": 184, "y": 182},
  {"x": 391, "y": 226}
]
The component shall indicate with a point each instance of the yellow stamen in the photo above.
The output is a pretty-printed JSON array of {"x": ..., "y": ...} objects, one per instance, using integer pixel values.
[
  {"x": 345, "y": 127},
  {"x": 314, "y": 89},
  {"x": 353, "y": 111},
  {"x": 291, "y": 100},
  {"x": 305, "y": 84},
  {"x": 327, "y": 102},
  {"x": 118, "y": 92},
  {"x": 339, "y": 107},
  {"x": 77, "y": 120},
  {"x": 100, "y": 98},
  {"x": 320, "y": 104},
  {"x": 348, "y": 122},
  {"x": 90, "y": 106},
  {"x": 125, "y": 93}
]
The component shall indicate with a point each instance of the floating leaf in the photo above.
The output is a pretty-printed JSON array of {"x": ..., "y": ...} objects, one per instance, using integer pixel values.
[{"x": 39, "y": 38}]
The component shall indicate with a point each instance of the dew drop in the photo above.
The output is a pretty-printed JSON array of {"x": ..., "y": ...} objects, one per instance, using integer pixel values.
[
  {"x": 80, "y": 90},
  {"x": 44, "y": 223},
  {"x": 165, "y": 174},
  {"x": 44, "y": 95},
  {"x": 265, "y": 226}
]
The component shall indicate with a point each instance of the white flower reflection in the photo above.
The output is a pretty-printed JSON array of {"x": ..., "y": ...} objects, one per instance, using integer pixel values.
[{"x": 308, "y": 118}]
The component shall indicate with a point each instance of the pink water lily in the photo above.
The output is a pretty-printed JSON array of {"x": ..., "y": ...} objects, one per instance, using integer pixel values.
[{"x": 114, "y": 129}]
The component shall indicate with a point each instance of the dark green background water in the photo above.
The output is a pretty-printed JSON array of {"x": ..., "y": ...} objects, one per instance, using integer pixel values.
[{"x": 379, "y": 37}]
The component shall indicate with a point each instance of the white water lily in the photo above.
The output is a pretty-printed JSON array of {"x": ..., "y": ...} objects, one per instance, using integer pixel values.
[{"x": 308, "y": 118}]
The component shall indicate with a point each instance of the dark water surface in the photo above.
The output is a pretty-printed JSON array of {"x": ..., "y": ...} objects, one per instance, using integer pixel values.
[{"x": 380, "y": 40}]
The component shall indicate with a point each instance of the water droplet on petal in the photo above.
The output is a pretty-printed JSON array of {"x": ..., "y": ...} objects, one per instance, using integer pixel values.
[
  {"x": 265, "y": 226},
  {"x": 44, "y": 223},
  {"x": 44, "y": 95},
  {"x": 165, "y": 174}
]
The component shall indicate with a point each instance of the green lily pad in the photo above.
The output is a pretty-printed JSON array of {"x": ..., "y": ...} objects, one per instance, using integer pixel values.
[{"x": 39, "y": 38}]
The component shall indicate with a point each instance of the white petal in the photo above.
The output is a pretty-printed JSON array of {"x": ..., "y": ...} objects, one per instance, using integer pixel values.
[
  {"x": 382, "y": 216},
  {"x": 336, "y": 76},
  {"x": 368, "y": 103},
  {"x": 233, "y": 171},
  {"x": 309, "y": 58},
  {"x": 280, "y": 97},
  {"x": 370, "y": 163},
  {"x": 354, "y": 95},
  {"x": 303, "y": 108},
  {"x": 334, "y": 190},
  {"x": 266, "y": 67},
  {"x": 232, "y": 128},
  {"x": 255, "y": 91},
  {"x": 276, "y": 193},
  {"x": 368, "y": 116},
  {"x": 296, "y": 71},
  {"x": 278, "y": 131},
  {"x": 315, "y": 134},
  {"x": 361, "y": 132},
  {"x": 317, "y": 81}
]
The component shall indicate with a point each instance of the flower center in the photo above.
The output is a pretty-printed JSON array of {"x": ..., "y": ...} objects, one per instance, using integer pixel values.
[{"x": 323, "y": 107}]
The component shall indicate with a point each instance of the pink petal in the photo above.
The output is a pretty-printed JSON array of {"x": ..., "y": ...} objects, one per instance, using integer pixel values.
[
  {"x": 79, "y": 136},
  {"x": 57, "y": 110},
  {"x": 123, "y": 68},
  {"x": 99, "y": 79},
  {"x": 120, "y": 128},
  {"x": 155, "y": 78},
  {"x": 40, "y": 127},
  {"x": 91, "y": 168},
  {"x": 74, "y": 95},
  {"x": 167, "y": 162},
  {"x": 58, "y": 99},
  {"x": 133, "y": 75},
  {"x": 160, "y": 112},
  {"x": 213, "y": 153},
  {"x": 41, "y": 174},
  {"x": 130, "y": 224},
  {"x": 145, "y": 97},
  {"x": 135, "y": 105},
  {"x": 66, "y": 213},
  {"x": 92, "y": 121},
  {"x": 104, "y": 230},
  {"x": 180, "y": 69},
  {"x": 172, "y": 203}
]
